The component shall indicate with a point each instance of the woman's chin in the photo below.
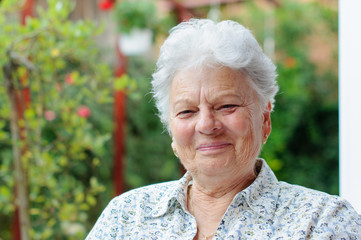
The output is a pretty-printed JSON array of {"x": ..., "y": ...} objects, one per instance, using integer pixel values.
[{"x": 213, "y": 164}]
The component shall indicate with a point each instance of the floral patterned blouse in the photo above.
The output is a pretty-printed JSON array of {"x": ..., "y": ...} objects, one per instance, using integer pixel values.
[{"x": 267, "y": 209}]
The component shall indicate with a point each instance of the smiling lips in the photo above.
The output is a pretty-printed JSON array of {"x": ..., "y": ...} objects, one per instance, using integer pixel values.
[{"x": 209, "y": 147}]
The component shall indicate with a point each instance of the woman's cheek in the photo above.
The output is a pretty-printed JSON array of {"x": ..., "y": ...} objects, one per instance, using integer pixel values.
[
  {"x": 239, "y": 124},
  {"x": 182, "y": 131}
]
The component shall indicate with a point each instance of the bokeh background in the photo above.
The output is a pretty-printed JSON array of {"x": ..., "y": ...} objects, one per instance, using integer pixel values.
[{"x": 78, "y": 125}]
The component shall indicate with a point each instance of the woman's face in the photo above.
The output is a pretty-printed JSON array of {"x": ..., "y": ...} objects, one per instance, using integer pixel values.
[{"x": 217, "y": 122}]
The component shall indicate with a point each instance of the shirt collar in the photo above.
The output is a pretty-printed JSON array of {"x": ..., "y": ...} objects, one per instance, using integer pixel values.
[
  {"x": 261, "y": 196},
  {"x": 177, "y": 193}
]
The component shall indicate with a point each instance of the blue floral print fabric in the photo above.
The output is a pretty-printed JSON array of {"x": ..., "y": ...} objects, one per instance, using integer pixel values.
[{"x": 267, "y": 209}]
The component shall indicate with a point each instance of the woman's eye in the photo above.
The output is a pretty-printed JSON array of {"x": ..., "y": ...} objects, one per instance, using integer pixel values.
[
  {"x": 184, "y": 113},
  {"x": 229, "y": 106}
]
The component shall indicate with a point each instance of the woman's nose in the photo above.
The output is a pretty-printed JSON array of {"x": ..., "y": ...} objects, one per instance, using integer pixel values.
[{"x": 207, "y": 123}]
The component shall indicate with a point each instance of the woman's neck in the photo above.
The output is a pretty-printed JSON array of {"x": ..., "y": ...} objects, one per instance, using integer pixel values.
[
  {"x": 222, "y": 186},
  {"x": 208, "y": 202}
]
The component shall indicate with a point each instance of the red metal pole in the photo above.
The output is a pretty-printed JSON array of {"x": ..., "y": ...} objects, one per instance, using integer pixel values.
[
  {"x": 119, "y": 121},
  {"x": 27, "y": 10}
]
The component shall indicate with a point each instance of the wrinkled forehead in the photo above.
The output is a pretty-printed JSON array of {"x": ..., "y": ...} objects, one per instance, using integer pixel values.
[{"x": 212, "y": 81}]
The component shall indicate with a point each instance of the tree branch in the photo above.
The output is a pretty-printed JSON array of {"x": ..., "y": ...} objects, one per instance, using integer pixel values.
[{"x": 21, "y": 183}]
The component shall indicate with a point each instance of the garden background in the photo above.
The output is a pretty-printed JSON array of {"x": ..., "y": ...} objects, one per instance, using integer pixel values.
[{"x": 62, "y": 77}]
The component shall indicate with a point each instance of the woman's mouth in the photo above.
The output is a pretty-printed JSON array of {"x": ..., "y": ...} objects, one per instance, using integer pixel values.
[{"x": 211, "y": 147}]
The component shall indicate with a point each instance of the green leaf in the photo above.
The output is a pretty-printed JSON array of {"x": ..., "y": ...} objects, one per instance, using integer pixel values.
[
  {"x": 79, "y": 197},
  {"x": 8, "y": 4},
  {"x": 91, "y": 200},
  {"x": 5, "y": 192}
]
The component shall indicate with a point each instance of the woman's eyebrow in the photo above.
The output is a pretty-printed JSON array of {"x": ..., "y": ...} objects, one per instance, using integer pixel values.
[
  {"x": 222, "y": 95},
  {"x": 183, "y": 101}
]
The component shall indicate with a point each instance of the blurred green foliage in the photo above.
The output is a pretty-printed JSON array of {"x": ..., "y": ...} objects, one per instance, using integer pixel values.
[
  {"x": 141, "y": 14},
  {"x": 130, "y": 14},
  {"x": 67, "y": 126}
]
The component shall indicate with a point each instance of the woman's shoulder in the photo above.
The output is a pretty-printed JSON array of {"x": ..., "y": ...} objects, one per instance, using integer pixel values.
[
  {"x": 303, "y": 197},
  {"x": 154, "y": 192},
  {"x": 306, "y": 201},
  {"x": 325, "y": 211}
]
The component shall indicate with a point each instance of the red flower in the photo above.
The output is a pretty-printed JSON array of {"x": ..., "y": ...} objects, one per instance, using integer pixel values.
[
  {"x": 69, "y": 79},
  {"x": 84, "y": 111},
  {"x": 106, "y": 5},
  {"x": 49, "y": 115}
]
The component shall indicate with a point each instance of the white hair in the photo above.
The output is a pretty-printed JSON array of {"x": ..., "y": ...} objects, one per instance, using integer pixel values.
[{"x": 202, "y": 42}]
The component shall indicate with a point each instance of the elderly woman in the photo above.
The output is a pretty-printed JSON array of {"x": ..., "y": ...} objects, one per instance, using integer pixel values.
[{"x": 215, "y": 90}]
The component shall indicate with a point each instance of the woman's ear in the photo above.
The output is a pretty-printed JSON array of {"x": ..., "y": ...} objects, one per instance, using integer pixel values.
[
  {"x": 266, "y": 125},
  {"x": 174, "y": 148}
]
